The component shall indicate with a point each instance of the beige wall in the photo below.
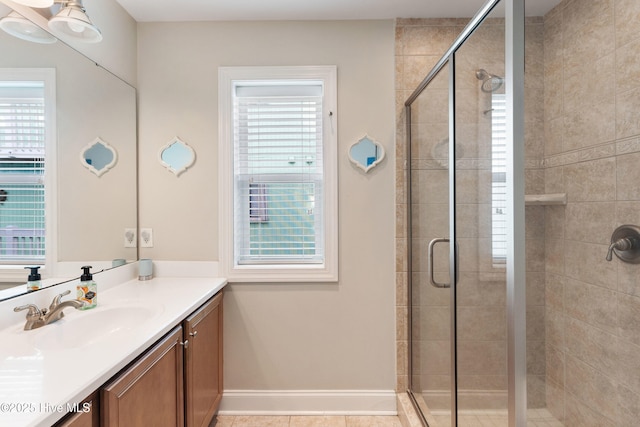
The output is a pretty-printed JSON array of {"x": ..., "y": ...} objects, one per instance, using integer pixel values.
[
  {"x": 592, "y": 152},
  {"x": 279, "y": 336}
]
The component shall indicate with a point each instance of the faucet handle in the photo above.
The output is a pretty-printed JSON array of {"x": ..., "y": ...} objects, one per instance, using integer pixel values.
[
  {"x": 33, "y": 309},
  {"x": 57, "y": 298}
]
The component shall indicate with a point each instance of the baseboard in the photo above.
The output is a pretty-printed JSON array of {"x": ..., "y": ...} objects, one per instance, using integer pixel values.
[{"x": 308, "y": 402}]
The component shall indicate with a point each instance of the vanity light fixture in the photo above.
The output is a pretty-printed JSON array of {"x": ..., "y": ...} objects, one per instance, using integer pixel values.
[
  {"x": 20, "y": 27},
  {"x": 70, "y": 21},
  {"x": 73, "y": 21}
]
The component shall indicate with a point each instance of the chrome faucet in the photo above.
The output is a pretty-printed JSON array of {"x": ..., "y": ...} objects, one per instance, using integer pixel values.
[{"x": 37, "y": 318}]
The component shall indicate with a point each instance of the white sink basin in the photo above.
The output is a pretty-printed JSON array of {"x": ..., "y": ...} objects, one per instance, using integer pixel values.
[{"x": 82, "y": 328}]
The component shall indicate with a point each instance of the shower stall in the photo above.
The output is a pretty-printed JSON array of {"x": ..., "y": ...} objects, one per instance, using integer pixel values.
[{"x": 522, "y": 154}]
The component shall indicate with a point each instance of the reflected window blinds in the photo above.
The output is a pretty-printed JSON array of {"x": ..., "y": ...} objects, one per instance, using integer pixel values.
[
  {"x": 22, "y": 169},
  {"x": 499, "y": 171}
]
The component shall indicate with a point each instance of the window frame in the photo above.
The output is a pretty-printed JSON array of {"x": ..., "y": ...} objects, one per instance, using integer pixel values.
[
  {"x": 326, "y": 271},
  {"x": 15, "y": 272}
]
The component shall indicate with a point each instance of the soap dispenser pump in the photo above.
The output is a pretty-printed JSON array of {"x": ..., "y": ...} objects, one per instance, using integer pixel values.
[
  {"x": 33, "y": 282},
  {"x": 87, "y": 290}
]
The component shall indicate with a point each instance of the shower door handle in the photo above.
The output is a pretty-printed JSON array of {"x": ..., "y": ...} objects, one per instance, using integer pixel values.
[{"x": 431, "y": 278}]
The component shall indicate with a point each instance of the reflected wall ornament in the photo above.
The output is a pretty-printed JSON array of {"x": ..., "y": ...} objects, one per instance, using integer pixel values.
[
  {"x": 98, "y": 156},
  {"x": 177, "y": 156},
  {"x": 366, "y": 153}
]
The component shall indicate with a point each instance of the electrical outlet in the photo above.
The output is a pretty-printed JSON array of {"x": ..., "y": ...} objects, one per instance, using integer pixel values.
[
  {"x": 130, "y": 240},
  {"x": 146, "y": 237}
]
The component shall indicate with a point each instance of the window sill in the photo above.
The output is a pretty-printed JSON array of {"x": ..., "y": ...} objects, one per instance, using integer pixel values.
[{"x": 281, "y": 273}]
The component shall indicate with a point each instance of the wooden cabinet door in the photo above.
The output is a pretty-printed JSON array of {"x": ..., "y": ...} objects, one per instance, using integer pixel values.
[
  {"x": 203, "y": 362},
  {"x": 87, "y": 415},
  {"x": 150, "y": 392}
]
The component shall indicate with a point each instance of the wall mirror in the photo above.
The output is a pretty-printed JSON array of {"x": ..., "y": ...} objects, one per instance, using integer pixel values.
[
  {"x": 366, "y": 153},
  {"x": 177, "y": 156},
  {"x": 98, "y": 156},
  {"x": 91, "y": 104}
]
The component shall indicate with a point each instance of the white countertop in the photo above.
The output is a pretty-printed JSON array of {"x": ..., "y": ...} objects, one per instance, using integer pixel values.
[{"x": 38, "y": 379}]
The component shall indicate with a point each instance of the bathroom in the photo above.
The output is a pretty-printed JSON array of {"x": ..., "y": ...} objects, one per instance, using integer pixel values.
[{"x": 275, "y": 364}]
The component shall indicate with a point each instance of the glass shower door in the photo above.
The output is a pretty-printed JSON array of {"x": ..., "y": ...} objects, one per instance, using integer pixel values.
[
  {"x": 431, "y": 381},
  {"x": 480, "y": 225}
]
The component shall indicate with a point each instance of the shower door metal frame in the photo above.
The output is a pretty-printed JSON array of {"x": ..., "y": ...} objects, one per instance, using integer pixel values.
[{"x": 516, "y": 300}]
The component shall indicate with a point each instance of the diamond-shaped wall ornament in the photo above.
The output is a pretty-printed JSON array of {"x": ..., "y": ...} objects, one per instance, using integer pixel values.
[
  {"x": 366, "y": 153},
  {"x": 177, "y": 156},
  {"x": 98, "y": 156}
]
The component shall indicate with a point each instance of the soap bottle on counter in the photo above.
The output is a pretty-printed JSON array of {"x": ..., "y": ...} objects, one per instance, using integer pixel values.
[
  {"x": 33, "y": 282},
  {"x": 87, "y": 290}
]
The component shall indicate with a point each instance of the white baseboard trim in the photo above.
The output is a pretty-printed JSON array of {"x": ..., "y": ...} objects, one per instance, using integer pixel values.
[{"x": 308, "y": 402}]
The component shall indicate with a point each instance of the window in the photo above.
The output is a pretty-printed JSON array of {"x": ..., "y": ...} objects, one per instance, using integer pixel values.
[
  {"x": 278, "y": 173},
  {"x": 26, "y": 129}
]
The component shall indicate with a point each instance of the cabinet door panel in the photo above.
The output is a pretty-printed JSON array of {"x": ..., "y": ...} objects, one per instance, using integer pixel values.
[
  {"x": 88, "y": 414},
  {"x": 203, "y": 363},
  {"x": 150, "y": 392}
]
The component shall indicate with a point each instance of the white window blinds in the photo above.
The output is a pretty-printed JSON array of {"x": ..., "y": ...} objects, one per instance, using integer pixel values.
[
  {"x": 22, "y": 161},
  {"x": 278, "y": 172},
  {"x": 499, "y": 171}
]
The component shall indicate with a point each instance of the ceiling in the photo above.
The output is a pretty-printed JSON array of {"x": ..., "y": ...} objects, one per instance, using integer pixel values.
[{"x": 268, "y": 10}]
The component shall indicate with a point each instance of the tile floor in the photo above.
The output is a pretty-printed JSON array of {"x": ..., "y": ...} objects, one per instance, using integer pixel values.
[
  {"x": 305, "y": 421},
  {"x": 535, "y": 418}
]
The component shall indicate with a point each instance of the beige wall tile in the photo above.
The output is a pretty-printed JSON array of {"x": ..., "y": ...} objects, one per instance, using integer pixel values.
[
  {"x": 590, "y": 222},
  {"x": 628, "y": 113},
  {"x": 628, "y": 177},
  {"x": 592, "y": 304},
  {"x": 592, "y": 387},
  {"x": 628, "y": 365},
  {"x": 493, "y": 363},
  {"x": 580, "y": 414},
  {"x": 481, "y": 324},
  {"x": 591, "y": 181},
  {"x": 627, "y": 16},
  {"x": 627, "y": 66},
  {"x": 597, "y": 348},
  {"x": 588, "y": 33},
  {"x": 555, "y": 365},
  {"x": 629, "y": 318},
  {"x": 629, "y": 406},
  {"x": 554, "y": 291}
]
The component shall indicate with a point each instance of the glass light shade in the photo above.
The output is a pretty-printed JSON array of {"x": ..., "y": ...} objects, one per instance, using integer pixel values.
[
  {"x": 20, "y": 27},
  {"x": 72, "y": 21},
  {"x": 35, "y": 3}
]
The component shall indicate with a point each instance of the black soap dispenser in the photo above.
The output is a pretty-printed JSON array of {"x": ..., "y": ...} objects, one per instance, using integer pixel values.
[
  {"x": 33, "y": 282},
  {"x": 87, "y": 289}
]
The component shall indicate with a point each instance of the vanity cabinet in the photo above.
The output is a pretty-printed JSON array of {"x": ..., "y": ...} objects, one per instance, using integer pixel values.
[
  {"x": 175, "y": 383},
  {"x": 203, "y": 363},
  {"x": 150, "y": 392}
]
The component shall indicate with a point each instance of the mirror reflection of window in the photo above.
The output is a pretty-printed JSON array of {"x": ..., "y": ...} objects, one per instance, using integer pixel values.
[
  {"x": 23, "y": 148},
  {"x": 498, "y": 170}
]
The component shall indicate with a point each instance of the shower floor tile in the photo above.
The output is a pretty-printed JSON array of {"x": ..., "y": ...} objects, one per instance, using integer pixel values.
[{"x": 535, "y": 418}]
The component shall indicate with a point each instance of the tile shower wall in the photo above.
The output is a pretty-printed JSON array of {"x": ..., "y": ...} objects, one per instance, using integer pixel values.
[{"x": 592, "y": 152}]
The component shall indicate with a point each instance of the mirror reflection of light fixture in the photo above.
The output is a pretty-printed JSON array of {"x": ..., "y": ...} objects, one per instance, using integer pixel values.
[
  {"x": 73, "y": 21},
  {"x": 20, "y": 27}
]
